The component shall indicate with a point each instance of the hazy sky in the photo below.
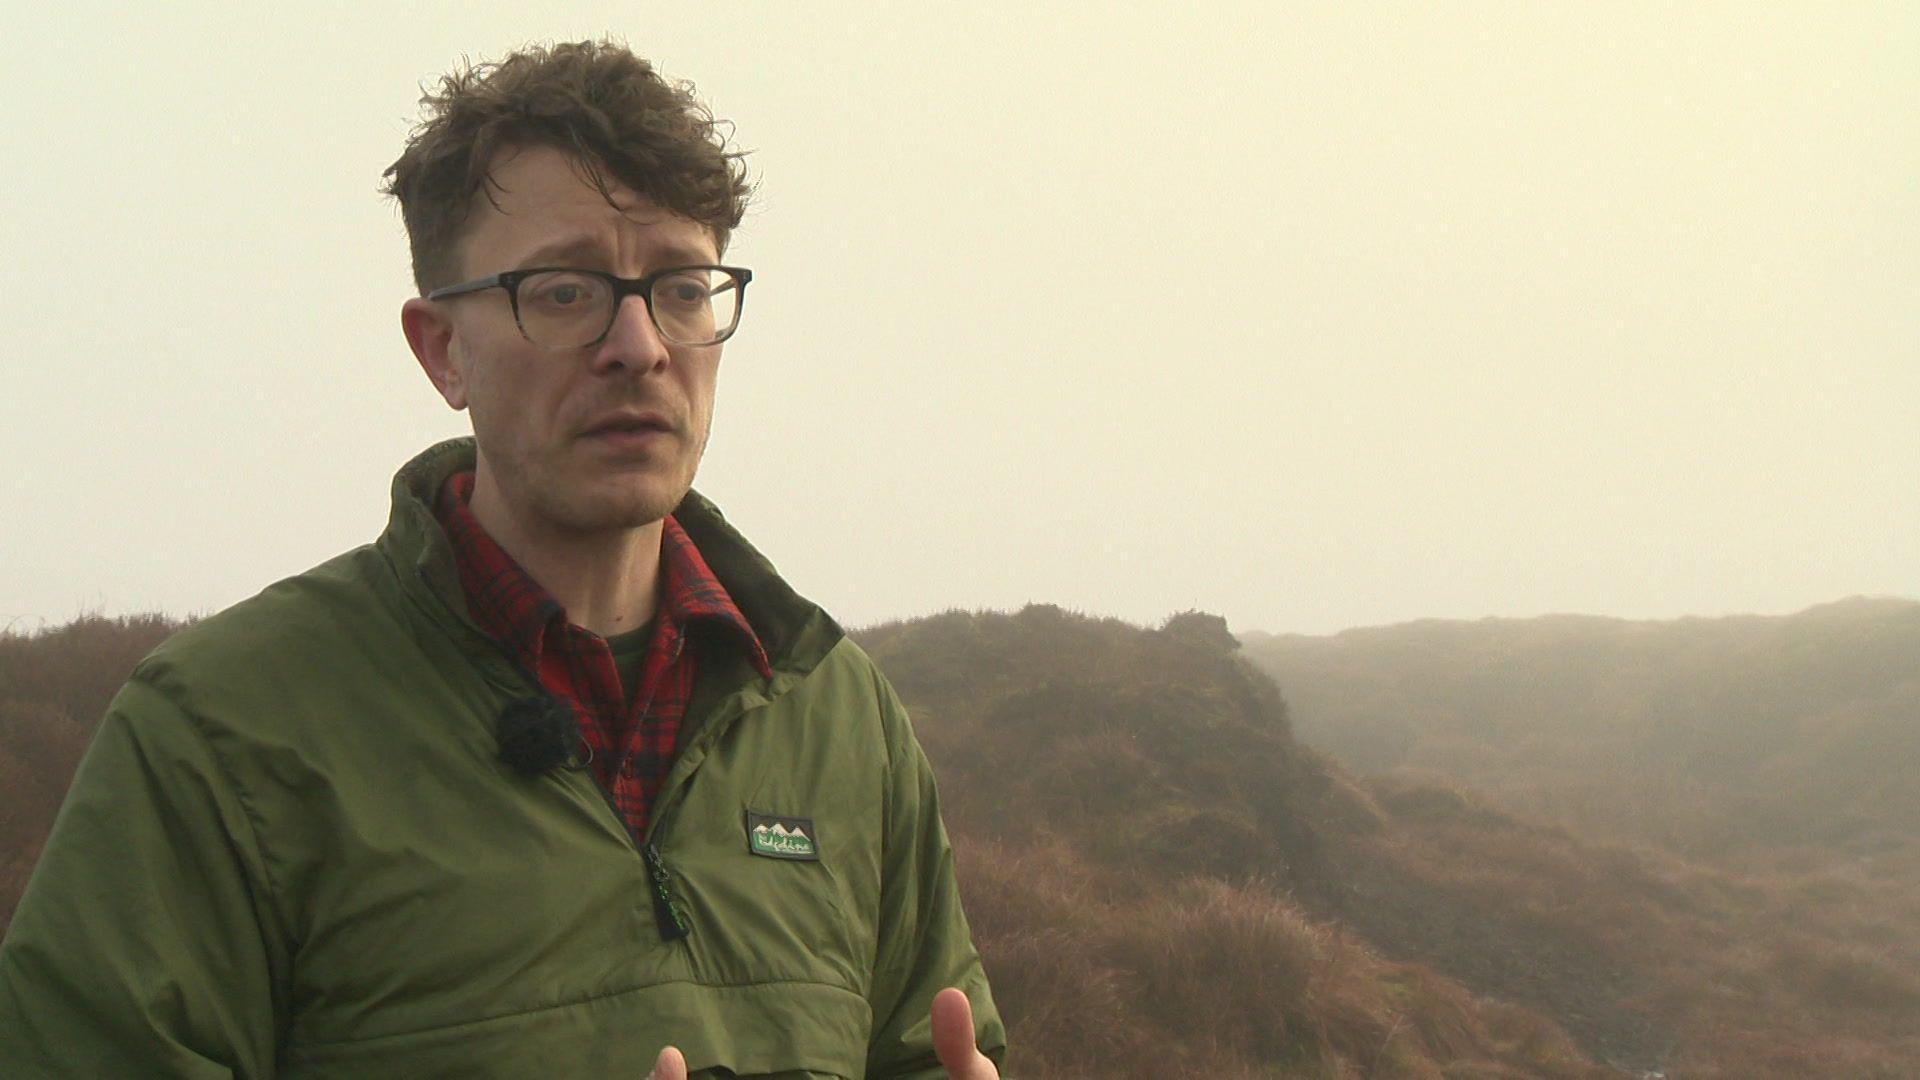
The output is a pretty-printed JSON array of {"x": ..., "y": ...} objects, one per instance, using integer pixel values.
[{"x": 1310, "y": 315}]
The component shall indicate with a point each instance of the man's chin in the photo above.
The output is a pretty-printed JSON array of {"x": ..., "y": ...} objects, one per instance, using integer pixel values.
[{"x": 623, "y": 506}]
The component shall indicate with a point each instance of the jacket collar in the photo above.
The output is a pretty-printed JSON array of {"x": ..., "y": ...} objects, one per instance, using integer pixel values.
[{"x": 797, "y": 634}]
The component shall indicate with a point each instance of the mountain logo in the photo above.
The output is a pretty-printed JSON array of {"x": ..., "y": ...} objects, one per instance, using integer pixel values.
[{"x": 782, "y": 837}]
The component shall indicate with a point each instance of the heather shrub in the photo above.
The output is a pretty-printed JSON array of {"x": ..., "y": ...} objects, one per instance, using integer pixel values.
[{"x": 1232, "y": 962}]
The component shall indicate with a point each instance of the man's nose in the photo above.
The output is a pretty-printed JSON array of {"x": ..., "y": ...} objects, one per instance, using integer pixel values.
[{"x": 633, "y": 341}]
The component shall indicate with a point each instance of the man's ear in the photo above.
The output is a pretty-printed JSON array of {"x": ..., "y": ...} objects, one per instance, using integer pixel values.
[{"x": 430, "y": 335}]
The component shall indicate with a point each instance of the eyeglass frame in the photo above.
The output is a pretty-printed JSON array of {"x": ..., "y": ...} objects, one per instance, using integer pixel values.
[{"x": 622, "y": 288}]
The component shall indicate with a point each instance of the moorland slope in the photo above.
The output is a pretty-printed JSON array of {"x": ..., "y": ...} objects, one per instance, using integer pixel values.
[
  {"x": 1721, "y": 737},
  {"x": 1163, "y": 881}
]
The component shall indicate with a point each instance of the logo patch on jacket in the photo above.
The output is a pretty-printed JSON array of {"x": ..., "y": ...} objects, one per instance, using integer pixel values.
[{"x": 782, "y": 837}]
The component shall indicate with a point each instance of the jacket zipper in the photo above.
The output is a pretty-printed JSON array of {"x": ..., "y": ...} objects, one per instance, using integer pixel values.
[{"x": 667, "y": 911}]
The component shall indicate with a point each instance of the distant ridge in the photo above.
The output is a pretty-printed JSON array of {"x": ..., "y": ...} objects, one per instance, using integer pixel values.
[
  {"x": 1709, "y": 735},
  {"x": 1846, "y": 607}
]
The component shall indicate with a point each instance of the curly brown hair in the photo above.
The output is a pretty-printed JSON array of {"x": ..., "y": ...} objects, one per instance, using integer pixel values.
[{"x": 595, "y": 100}]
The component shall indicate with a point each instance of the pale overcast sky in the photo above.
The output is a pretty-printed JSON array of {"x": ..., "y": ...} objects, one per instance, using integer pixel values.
[{"x": 1310, "y": 315}]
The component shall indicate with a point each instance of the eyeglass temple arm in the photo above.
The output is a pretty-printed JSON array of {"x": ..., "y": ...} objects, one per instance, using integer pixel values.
[{"x": 488, "y": 282}]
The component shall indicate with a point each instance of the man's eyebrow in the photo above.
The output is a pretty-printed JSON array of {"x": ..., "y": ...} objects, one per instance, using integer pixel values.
[{"x": 589, "y": 254}]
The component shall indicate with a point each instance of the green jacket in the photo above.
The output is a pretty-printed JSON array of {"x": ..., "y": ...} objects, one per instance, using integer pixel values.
[{"x": 292, "y": 851}]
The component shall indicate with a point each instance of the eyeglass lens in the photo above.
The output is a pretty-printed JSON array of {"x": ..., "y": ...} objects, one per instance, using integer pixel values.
[{"x": 565, "y": 309}]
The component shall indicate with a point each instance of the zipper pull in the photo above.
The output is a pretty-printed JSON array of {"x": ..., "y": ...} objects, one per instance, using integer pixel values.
[{"x": 673, "y": 921}]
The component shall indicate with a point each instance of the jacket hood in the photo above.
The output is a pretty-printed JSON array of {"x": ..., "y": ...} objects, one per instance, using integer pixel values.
[{"x": 796, "y": 633}]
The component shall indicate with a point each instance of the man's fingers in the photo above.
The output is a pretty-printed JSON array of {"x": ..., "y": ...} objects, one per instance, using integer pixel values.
[
  {"x": 669, "y": 1066},
  {"x": 952, "y": 1043},
  {"x": 953, "y": 1038}
]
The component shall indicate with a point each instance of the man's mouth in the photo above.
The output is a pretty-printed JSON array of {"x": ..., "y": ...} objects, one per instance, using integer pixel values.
[
  {"x": 629, "y": 432},
  {"x": 630, "y": 424}
]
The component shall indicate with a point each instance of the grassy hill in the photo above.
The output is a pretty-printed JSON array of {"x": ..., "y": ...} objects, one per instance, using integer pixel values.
[
  {"x": 1761, "y": 768},
  {"x": 1744, "y": 736},
  {"x": 1156, "y": 869},
  {"x": 1165, "y": 882},
  {"x": 54, "y": 687},
  {"x": 1046, "y": 725}
]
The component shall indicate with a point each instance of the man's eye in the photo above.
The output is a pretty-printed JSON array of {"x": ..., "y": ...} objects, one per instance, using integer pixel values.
[
  {"x": 683, "y": 292},
  {"x": 562, "y": 291}
]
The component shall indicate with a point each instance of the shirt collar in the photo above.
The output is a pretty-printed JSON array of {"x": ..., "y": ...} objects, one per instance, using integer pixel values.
[{"x": 518, "y": 611}]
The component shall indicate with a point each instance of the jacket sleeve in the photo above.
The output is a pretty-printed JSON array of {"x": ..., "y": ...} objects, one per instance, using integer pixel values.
[
  {"x": 924, "y": 943},
  {"x": 138, "y": 948}
]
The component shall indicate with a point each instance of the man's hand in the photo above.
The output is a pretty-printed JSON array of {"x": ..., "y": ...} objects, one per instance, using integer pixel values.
[
  {"x": 953, "y": 1038},
  {"x": 952, "y": 1043}
]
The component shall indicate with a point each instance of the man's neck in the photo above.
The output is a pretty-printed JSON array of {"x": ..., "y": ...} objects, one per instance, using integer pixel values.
[{"x": 608, "y": 582}]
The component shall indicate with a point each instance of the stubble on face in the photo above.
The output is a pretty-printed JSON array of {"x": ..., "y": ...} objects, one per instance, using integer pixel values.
[
  {"x": 530, "y": 406},
  {"x": 552, "y": 486}
]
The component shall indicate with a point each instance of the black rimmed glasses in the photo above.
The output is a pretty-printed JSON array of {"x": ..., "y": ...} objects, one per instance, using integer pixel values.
[{"x": 563, "y": 308}]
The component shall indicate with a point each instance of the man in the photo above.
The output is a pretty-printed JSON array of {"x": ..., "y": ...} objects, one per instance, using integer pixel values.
[{"x": 556, "y": 773}]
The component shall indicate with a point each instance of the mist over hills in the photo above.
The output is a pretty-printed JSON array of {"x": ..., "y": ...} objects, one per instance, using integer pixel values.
[
  {"x": 1163, "y": 880},
  {"x": 1712, "y": 736}
]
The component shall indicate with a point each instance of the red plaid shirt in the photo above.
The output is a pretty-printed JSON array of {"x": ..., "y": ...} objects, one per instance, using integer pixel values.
[{"x": 632, "y": 747}]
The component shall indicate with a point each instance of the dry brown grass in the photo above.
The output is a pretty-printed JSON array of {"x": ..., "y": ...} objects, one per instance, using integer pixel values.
[
  {"x": 54, "y": 686},
  {"x": 1100, "y": 974},
  {"x": 1163, "y": 882},
  {"x": 1753, "y": 974},
  {"x": 1738, "y": 840}
]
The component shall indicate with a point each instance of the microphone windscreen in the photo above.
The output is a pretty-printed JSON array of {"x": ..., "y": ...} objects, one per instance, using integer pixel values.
[{"x": 536, "y": 734}]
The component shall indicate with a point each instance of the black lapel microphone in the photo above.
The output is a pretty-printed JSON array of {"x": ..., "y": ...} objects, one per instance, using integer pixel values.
[{"x": 540, "y": 733}]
